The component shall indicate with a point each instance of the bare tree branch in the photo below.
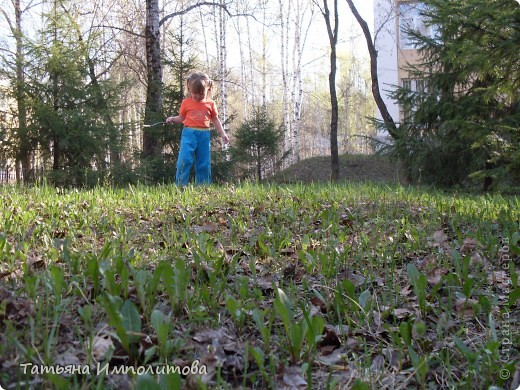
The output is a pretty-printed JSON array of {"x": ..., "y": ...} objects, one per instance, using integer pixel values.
[
  {"x": 191, "y": 7},
  {"x": 201, "y": 4},
  {"x": 120, "y": 29}
]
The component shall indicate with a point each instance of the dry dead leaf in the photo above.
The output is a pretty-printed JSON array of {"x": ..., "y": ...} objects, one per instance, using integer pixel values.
[
  {"x": 439, "y": 237},
  {"x": 68, "y": 358},
  {"x": 332, "y": 358},
  {"x": 355, "y": 278},
  {"x": 469, "y": 245},
  {"x": 207, "y": 336},
  {"x": 15, "y": 309},
  {"x": 477, "y": 260},
  {"x": 208, "y": 227},
  {"x": 329, "y": 341},
  {"x": 393, "y": 358},
  {"x": 265, "y": 283},
  {"x": 401, "y": 313},
  {"x": 465, "y": 306},
  {"x": 378, "y": 364},
  {"x": 3, "y": 274},
  {"x": 342, "y": 330},
  {"x": 427, "y": 263},
  {"x": 36, "y": 262},
  {"x": 292, "y": 377},
  {"x": 406, "y": 290},
  {"x": 435, "y": 275},
  {"x": 319, "y": 303},
  {"x": 289, "y": 252},
  {"x": 500, "y": 279},
  {"x": 100, "y": 347},
  {"x": 352, "y": 343}
]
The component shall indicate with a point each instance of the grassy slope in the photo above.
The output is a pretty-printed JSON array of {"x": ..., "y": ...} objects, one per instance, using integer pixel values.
[
  {"x": 353, "y": 168},
  {"x": 406, "y": 283}
]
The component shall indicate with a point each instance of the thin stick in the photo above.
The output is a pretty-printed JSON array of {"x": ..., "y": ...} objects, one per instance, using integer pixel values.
[{"x": 155, "y": 124}]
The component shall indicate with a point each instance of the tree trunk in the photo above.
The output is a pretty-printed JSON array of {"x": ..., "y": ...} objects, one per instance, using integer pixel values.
[
  {"x": 333, "y": 39},
  {"x": 243, "y": 76},
  {"x": 284, "y": 59},
  {"x": 56, "y": 151},
  {"x": 259, "y": 164},
  {"x": 223, "y": 66},
  {"x": 23, "y": 153},
  {"x": 154, "y": 98},
  {"x": 300, "y": 37},
  {"x": 251, "y": 68},
  {"x": 385, "y": 114}
]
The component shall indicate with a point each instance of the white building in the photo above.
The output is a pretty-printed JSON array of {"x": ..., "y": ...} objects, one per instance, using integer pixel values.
[{"x": 395, "y": 48}]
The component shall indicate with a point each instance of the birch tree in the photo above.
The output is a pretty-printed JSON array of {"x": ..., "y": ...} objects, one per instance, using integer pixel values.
[
  {"x": 300, "y": 37},
  {"x": 284, "y": 63},
  {"x": 295, "y": 23},
  {"x": 221, "y": 32},
  {"x": 154, "y": 97}
]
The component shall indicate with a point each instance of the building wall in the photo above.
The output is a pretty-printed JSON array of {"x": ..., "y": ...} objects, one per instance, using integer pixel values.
[
  {"x": 393, "y": 53},
  {"x": 386, "y": 43}
]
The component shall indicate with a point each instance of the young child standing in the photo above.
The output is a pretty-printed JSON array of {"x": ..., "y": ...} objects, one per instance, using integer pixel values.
[{"x": 197, "y": 112}]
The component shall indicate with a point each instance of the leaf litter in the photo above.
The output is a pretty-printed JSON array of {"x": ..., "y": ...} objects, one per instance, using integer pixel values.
[{"x": 353, "y": 254}]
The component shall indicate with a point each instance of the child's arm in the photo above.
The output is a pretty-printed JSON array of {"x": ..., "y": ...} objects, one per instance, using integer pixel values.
[
  {"x": 218, "y": 127},
  {"x": 175, "y": 119}
]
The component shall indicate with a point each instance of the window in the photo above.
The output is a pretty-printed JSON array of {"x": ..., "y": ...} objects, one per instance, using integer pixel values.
[
  {"x": 407, "y": 84},
  {"x": 421, "y": 86},
  {"x": 410, "y": 18},
  {"x": 417, "y": 88},
  {"x": 415, "y": 85}
]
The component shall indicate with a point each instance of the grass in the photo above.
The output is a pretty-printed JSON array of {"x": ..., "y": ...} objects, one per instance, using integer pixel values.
[{"x": 320, "y": 286}]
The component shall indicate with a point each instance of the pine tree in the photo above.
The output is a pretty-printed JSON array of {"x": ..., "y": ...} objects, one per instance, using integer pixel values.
[
  {"x": 257, "y": 144},
  {"x": 465, "y": 123},
  {"x": 67, "y": 121}
]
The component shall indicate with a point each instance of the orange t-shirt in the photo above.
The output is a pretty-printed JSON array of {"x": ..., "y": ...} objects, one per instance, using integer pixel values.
[{"x": 198, "y": 114}]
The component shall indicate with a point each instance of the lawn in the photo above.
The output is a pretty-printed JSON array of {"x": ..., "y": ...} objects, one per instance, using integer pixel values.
[{"x": 353, "y": 285}]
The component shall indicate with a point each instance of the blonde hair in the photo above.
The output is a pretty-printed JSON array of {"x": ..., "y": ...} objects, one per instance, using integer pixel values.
[{"x": 199, "y": 83}]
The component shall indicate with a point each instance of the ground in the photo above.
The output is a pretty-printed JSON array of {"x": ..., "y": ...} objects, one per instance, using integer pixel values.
[
  {"x": 325, "y": 286},
  {"x": 353, "y": 168}
]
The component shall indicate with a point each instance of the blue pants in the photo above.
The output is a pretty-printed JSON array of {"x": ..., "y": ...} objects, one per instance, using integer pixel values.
[{"x": 195, "y": 149}]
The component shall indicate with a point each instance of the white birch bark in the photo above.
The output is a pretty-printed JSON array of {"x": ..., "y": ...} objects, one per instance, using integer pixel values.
[
  {"x": 300, "y": 38},
  {"x": 284, "y": 59},
  {"x": 223, "y": 66},
  {"x": 204, "y": 38},
  {"x": 251, "y": 68},
  {"x": 243, "y": 70},
  {"x": 263, "y": 59}
]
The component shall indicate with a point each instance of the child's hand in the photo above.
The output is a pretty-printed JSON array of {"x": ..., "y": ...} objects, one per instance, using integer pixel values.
[
  {"x": 225, "y": 139},
  {"x": 169, "y": 120}
]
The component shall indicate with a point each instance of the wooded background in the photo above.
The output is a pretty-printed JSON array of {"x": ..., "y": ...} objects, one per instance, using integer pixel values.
[
  {"x": 85, "y": 84},
  {"x": 82, "y": 78}
]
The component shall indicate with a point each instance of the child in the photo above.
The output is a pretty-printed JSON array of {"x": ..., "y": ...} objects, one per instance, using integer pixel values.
[{"x": 197, "y": 111}]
